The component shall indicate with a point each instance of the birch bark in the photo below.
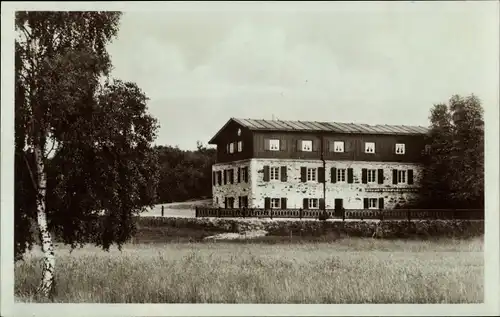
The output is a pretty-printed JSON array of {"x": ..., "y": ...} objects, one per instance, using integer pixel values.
[{"x": 47, "y": 284}]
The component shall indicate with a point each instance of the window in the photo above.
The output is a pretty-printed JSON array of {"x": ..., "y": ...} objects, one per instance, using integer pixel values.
[
  {"x": 240, "y": 146},
  {"x": 369, "y": 147},
  {"x": 372, "y": 176},
  {"x": 243, "y": 202},
  {"x": 372, "y": 203},
  {"x": 341, "y": 175},
  {"x": 275, "y": 203},
  {"x": 274, "y": 145},
  {"x": 427, "y": 149},
  {"x": 229, "y": 202},
  {"x": 243, "y": 175},
  {"x": 306, "y": 145},
  {"x": 231, "y": 147},
  {"x": 311, "y": 174},
  {"x": 400, "y": 148},
  {"x": 338, "y": 146},
  {"x": 274, "y": 173},
  {"x": 313, "y": 203},
  {"x": 401, "y": 176}
]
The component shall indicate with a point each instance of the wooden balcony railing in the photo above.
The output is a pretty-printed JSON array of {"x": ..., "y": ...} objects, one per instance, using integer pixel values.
[{"x": 360, "y": 214}]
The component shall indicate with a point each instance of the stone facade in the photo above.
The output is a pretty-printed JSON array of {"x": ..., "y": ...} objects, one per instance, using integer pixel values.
[
  {"x": 294, "y": 189},
  {"x": 235, "y": 189}
]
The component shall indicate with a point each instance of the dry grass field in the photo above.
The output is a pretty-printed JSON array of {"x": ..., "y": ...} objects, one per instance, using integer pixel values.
[{"x": 345, "y": 271}]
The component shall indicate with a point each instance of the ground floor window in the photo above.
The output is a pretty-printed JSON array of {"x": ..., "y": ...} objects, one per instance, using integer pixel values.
[
  {"x": 311, "y": 203},
  {"x": 229, "y": 202},
  {"x": 275, "y": 203},
  {"x": 372, "y": 203},
  {"x": 243, "y": 202}
]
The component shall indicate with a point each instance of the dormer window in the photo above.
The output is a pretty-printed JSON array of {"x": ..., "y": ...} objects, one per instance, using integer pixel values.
[
  {"x": 370, "y": 147},
  {"x": 231, "y": 147}
]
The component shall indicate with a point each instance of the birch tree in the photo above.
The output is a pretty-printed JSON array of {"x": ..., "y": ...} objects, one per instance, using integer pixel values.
[{"x": 84, "y": 163}]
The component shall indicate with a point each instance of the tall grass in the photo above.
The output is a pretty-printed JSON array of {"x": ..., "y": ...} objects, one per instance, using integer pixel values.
[{"x": 347, "y": 271}]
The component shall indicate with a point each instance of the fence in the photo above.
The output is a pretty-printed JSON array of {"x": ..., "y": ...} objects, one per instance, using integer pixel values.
[{"x": 360, "y": 214}]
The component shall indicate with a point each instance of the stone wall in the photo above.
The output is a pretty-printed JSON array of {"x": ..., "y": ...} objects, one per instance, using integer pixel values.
[
  {"x": 352, "y": 194},
  {"x": 219, "y": 192}
]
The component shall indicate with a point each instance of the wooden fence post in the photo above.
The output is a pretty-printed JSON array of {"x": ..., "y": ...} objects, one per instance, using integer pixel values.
[
  {"x": 300, "y": 213},
  {"x": 408, "y": 214},
  {"x": 218, "y": 212}
]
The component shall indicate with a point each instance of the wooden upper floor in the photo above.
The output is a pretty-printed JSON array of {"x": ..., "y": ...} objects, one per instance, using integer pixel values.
[{"x": 245, "y": 138}]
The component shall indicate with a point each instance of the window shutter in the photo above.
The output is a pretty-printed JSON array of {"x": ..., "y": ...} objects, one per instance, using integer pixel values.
[
  {"x": 283, "y": 174},
  {"x": 246, "y": 174},
  {"x": 225, "y": 177},
  {"x": 282, "y": 145},
  {"x": 266, "y": 173},
  {"x": 334, "y": 174},
  {"x": 315, "y": 145},
  {"x": 305, "y": 204},
  {"x": 267, "y": 203},
  {"x": 347, "y": 146},
  {"x": 213, "y": 178},
  {"x": 365, "y": 203},
  {"x": 239, "y": 201},
  {"x": 364, "y": 176},
  {"x": 321, "y": 203},
  {"x": 283, "y": 203},
  {"x": 410, "y": 177},
  {"x": 231, "y": 173},
  {"x": 394, "y": 177},
  {"x": 321, "y": 175},
  {"x": 225, "y": 202},
  {"x": 350, "y": 176},
  {"x": 381, "y": 203},
  {"x": 380, "y": 176},
  {"x": 303, "y": 174},
  {"x": 267, "y": 144},
  {"x": 239, "y": 174},
  {"x": 219, "y": 177}
]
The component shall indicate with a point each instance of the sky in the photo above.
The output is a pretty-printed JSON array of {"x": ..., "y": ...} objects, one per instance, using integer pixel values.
[{"x": 372, "y": 62}]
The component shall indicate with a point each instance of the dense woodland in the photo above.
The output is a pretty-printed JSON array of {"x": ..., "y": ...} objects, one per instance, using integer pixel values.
[{"x": 184, "y": 174}]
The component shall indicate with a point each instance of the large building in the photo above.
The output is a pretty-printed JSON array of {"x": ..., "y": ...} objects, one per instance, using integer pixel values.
[{"x": 315, "y": 165}]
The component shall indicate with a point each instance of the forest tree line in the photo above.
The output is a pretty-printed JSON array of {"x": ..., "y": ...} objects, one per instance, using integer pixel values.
[{"x": 184, "y": 174}]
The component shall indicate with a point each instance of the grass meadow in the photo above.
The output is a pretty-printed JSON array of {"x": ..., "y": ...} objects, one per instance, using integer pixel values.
[{"x": 351, "y": 270}]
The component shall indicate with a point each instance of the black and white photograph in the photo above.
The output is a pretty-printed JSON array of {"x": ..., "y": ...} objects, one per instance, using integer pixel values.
[{"x": 307, "y": 154}]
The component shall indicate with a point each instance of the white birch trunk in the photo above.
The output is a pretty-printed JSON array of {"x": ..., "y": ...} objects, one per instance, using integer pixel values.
[{"x": 46, "y": 287}]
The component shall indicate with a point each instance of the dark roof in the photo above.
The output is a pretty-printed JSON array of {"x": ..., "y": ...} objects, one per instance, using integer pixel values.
[{"x": 335, "y": 127}]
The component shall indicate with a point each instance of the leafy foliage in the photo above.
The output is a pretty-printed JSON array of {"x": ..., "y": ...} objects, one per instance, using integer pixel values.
[
  {"x": 453, "y": 175},
  {"x": 184, "y": 174},
  {"x": 95, "y": 133}
]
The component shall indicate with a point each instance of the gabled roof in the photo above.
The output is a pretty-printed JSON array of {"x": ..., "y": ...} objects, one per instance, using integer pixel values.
[{"x": 333, "y": 127}]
